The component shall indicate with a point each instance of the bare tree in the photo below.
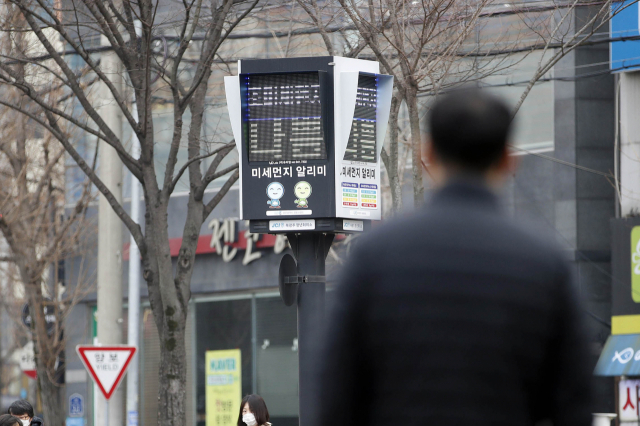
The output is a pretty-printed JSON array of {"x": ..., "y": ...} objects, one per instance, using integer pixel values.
[
  {"x": 572, "y": 24},
  {"x": 39, "y": 230},
  {"x": 431, "y": 46},
  {"x": 168, "y": 56}
]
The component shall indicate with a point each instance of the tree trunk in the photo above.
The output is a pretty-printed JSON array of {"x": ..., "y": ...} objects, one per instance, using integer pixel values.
[
  {"x": 173, "y": 371},
  {"x": 392, "y": 168},
  {"x": 53, "y": 407},
  {"x": 169, "y": 304},
  {"x": 416, "y": 147}
]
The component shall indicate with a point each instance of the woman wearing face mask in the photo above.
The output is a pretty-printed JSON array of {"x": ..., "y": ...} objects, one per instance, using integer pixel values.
[{"x": 253, "y": 412}]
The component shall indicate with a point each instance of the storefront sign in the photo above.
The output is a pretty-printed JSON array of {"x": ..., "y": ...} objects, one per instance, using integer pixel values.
[
  {"x": 223, "y": 380},
  {"x": 27, "y": 360},
  {"x": 628, "y": 400},
  {"x": 620, "y": 356},
  {"x": 224, "y": 236},
  {"x": 625, "y": 283}
]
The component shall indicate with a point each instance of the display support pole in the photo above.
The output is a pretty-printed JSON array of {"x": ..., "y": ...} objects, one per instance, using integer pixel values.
[
  {"x": 106, "y": 416},
  {"x": 310, "y": 251}
]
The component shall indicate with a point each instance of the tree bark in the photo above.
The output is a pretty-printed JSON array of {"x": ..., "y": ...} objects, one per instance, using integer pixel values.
[
  {"x": 391, "y": 160},
  {"x": 52, "y": 400},
  {"x": 416, "y": 147}
]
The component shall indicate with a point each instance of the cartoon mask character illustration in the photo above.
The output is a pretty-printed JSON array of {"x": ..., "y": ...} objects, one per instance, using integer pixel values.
[
  {"x": 275, "y": 191},
  {"x": 302, "y": 190}
]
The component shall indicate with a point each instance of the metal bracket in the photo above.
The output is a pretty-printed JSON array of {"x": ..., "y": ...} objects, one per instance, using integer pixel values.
[{"x": 296, "y": 279}]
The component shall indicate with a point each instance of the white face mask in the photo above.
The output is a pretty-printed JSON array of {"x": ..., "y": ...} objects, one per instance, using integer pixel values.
[
  {"x": 248, "y": 418},
  {"x": 25, "y": 422}
]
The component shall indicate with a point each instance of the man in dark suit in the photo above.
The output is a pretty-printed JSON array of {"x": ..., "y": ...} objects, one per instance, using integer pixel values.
[{"x": 456, "y": 315}]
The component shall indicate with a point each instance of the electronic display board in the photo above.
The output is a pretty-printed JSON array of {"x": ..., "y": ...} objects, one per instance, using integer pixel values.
[
  {"x": 309, "y": 132},
  {"x": 284, "y": 117},
  {"x": 362, "y": 139}
]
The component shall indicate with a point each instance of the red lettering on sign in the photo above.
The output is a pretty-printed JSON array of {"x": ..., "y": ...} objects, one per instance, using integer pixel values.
[{"x": 628, "y": 400}]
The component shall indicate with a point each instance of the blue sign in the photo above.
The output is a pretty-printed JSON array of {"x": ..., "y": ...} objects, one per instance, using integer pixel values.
[
  {"x": 132, "y": 418},
  {"x": 75, "y": 421},
  {"x": 76, "y": 406},
  {"x": 625, "y": 55},
  {"x": 620, "y": 356}
]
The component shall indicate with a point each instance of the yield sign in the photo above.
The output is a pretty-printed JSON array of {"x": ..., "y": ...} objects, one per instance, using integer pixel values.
[{"x": 106, "y": 364}]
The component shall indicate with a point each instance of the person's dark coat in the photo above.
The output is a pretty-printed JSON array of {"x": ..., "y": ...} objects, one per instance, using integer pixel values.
[{"x": 455, "y": 316}]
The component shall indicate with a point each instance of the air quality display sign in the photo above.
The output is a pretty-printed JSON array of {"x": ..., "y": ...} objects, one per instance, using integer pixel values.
[
  {"x": 362, "y": 139},
  {"x": 284, "y": 117},
  {"x": 309, "y": 132}
]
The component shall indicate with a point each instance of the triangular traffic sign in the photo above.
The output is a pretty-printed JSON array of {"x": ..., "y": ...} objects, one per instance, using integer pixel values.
[{"x": 106, "y": 364}]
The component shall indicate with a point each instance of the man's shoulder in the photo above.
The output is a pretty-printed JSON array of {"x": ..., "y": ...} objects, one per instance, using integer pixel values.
[{"x": 434, "y": 230}]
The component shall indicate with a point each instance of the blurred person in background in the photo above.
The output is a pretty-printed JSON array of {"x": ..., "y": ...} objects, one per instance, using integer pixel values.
[
  {"x": 253, "y": 411},
  {"x": 23, "y": 410},
  {"x": 457, "y": 315},
  {"x": 9, "y": 420}
]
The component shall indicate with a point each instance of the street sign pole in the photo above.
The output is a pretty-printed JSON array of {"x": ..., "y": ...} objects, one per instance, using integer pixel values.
[{"x": 310, "y": 250}]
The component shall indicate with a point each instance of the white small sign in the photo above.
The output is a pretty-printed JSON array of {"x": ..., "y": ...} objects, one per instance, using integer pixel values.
[
  {"x": 27, "y": 358},
  {"x": 300, "y": 212},
  {"x": 292, "y": 225},
  {"x": 628, "y": 400},
  {"x": 353, "y": 225}
]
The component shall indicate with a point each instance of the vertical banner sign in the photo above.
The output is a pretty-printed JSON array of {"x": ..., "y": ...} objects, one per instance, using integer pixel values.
[
  {"x": 223, "y": 387},
  {"x": 628, "y": 400},
  {"x": 635, "y": 264}
]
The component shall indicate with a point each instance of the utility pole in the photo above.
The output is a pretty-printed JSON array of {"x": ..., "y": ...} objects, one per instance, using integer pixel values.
[
  {"x": 110, "y": 234},
  {"x": 133, "y": 336}
]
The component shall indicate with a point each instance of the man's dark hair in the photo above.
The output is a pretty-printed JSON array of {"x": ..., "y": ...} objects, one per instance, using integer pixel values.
[
  {"x": 9, "y": 420},
  {"x": 469, "y": 129},
  {"x": 257, "y": 406},
  {"x": 21, "y": 407}
]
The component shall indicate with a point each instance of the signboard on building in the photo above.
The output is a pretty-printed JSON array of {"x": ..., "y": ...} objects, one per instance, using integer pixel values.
[
  {"x": 625, "y": 54},
  {"x": 628, "y": 398},
  {"x": 27, "y": 360},
  {"x": 223, "y": 379},
  {"x": 309, "y": 132},
  {"x": 625, "y": 282}
]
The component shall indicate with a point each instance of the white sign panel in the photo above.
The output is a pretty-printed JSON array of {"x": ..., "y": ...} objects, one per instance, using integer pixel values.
[
  {"x": 353, "y": 225},
  {"x": 628, "y": 400},
  {"x": 27, "y": 358},
  {"x": 361, "y": 108},
  {"x": 292, "y": 225},
  {"x": 106, "y": 365}
]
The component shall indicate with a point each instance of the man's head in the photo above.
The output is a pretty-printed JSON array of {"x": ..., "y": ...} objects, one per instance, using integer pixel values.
[
  {"x": 469, "y": 133},
  {"x": 22, "y": 410}
]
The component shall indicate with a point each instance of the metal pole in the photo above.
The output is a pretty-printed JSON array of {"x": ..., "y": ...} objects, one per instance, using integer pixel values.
[
  {"x": 109, "y": 291},
  {"x": 133, "y": 331},
  {"x": 106, "y": 416},
  {"x": 310, "y": 250}
]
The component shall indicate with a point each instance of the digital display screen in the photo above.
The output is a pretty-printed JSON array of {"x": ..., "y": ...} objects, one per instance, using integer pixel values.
[
  {"x": 284, "y": 117},
  {"x": 362, "y": 140}
]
